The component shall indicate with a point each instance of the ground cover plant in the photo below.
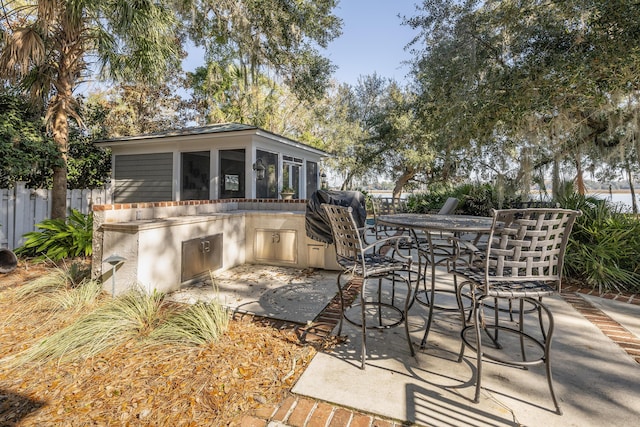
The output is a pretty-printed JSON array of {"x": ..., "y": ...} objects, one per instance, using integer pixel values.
[{"x": 132, "y": 360}]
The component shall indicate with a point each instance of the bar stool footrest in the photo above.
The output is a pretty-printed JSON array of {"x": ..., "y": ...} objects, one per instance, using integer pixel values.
[{"x": 390, "y": 310}]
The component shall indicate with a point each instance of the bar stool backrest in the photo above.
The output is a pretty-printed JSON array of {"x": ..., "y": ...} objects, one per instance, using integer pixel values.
[
  {"x": 346, "y": 236},
  {"x": 449, "y": 206},
  {"x": 528, "y": 245},
  {"x": 387, "y": 206}
]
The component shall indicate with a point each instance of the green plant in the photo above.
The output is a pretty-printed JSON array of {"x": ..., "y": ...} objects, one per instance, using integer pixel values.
[
  {"x": 132, "y": 315},
  {"x": 604, "y": 245},
  {"x": 201, "y": 323},
  {"x": 61, "y": 278},
  {"x": 60, "y": 239},
  {"x": 51, "y": 282},
  {"x": 77, "y": 298},
  {"x": 475, "y": 199},
  {"x": 287, "y": 189}
]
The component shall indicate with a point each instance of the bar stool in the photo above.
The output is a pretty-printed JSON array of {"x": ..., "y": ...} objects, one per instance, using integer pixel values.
[
  {"x": 522, "y": 264},
  {"x": 379, "y": 261}
]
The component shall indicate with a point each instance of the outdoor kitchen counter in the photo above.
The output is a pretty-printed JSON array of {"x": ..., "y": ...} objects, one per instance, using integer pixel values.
[{"x": 163, "y": 253}]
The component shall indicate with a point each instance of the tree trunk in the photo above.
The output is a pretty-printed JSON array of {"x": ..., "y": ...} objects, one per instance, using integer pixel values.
[
  {"x": 59, "y": 193},
  {"x": 580, "y": 187},
  {"x": 61, "y": 104},
  {"x": 401, "y": 182},
  {"x": 555, "y": 179},
  {"x": 346, "y": 183},
  {"x": 634, "y": 203}
]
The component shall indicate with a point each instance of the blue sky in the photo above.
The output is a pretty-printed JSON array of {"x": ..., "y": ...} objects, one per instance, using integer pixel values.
[{"x": 372, "y": 40}]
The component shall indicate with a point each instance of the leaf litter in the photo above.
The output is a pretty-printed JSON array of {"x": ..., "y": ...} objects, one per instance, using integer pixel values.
[{"x": 252, "y": 365}]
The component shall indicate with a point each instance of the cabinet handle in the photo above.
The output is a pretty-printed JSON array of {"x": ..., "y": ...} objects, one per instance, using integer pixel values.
[{"x": 205, "y": 246}]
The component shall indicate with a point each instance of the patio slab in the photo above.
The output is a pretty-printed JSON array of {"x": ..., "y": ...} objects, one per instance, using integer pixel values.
[
  {"x": 283, "y": 293},
  {"x": 596, "y": 381}
]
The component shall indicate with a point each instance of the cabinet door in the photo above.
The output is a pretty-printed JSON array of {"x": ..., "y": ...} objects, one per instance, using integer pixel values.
[
  {"x": 201, "y": 255},
  {"x": 276, "y": 245}
]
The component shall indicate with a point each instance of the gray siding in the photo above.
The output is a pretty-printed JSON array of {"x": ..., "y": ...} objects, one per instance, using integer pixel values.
[{"x": 143, "y": 178}]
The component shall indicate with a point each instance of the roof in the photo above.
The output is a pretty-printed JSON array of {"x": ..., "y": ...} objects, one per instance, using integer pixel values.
[{"x": 204, "y": 130}]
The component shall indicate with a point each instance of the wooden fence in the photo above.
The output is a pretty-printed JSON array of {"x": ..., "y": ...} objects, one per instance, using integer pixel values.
[{"x": 22, "y": 208}]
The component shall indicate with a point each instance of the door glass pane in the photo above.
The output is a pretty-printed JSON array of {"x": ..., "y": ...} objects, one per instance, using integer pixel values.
[
  {"x": 232, "y": 174},
  {"x": 266, "y": 188},
  {"x": 295, "y": 180},
  {"x": 195, "y": 175},
  {"x": 291, "y": 177},
  {"x": 312, "y": 178}
]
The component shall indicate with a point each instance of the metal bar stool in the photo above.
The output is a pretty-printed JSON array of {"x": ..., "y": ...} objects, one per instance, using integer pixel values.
[
  {"x": 379, "y": 261},
  {"x": 522, "y": 264}
]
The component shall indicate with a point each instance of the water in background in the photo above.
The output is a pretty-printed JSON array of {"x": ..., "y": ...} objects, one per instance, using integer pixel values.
[{"x": 622, "y": 199}]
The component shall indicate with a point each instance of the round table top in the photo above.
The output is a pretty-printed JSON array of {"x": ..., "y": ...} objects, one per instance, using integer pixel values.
[{"x": 453, "y": 223}]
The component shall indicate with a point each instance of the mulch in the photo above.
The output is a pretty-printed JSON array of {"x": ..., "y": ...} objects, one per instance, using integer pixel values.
[{"x": 254, "y": 365}]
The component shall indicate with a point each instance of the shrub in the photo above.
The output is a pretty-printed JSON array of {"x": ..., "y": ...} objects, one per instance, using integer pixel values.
[
  {"x": 475, "y": 199},
  {"x": 604, "y": 245},
  {"x": 60, "y": 239},
  {"x": 431, "y": 201}
]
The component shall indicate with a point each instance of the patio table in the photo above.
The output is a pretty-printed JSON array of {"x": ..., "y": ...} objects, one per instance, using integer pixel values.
[{"x": 454, "y": 226}]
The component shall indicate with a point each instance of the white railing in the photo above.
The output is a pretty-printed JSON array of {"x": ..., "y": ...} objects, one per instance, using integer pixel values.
[{"x": 22, "y": 208}]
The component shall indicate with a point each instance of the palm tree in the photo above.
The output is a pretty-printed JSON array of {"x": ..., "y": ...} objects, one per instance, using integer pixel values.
[{"x": 48, "y": 47}]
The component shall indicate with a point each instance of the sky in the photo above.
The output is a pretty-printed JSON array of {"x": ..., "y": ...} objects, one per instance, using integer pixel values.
[{"x": 372, "y": 40}]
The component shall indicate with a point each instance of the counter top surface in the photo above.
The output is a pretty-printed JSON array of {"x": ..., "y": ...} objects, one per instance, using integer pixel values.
[{"x": 141, "y": 224}]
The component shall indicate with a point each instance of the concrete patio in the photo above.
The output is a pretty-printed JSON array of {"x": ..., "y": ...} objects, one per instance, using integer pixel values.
[{"x": 597, "y": 380}]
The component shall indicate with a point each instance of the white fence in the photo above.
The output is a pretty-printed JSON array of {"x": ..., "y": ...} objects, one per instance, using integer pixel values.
[{"x": 22, "y": 208}]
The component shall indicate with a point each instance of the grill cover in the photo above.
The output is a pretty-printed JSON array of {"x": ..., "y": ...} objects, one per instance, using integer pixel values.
[{"x": 316, "y": 222}]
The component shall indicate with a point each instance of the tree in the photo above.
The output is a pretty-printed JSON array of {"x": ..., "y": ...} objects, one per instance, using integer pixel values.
[
  {"x": 232, "y": 96},
  {"x": 371, "y": 130},
  {"x": 257, "y": 36},
  {"x": 139, "y": 108},
  {"x": 542, "y": 73},
  {"x": 25, "y": 149},
  {"x": 47, "y": 46},
  {"x": 89, "y": 165},
  {"x": 399, "y": 147}
]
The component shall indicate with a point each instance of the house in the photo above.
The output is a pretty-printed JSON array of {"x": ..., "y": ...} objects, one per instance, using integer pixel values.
[{"x": 221, "y": 161}]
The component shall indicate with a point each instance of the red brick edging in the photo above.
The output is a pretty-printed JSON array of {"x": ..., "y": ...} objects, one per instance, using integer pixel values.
[
  {"x": 612, "y": 329},
  {"x": 296, "y": 411}
]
